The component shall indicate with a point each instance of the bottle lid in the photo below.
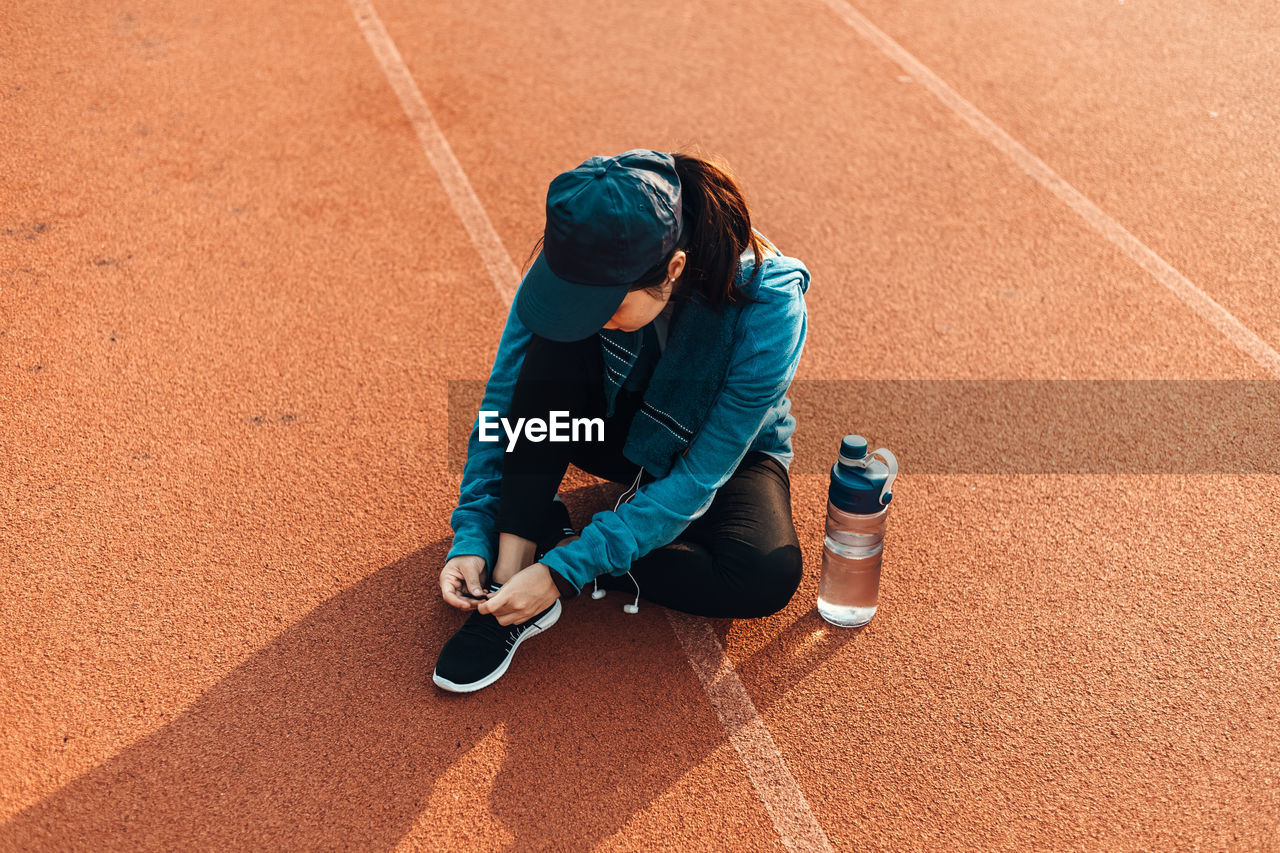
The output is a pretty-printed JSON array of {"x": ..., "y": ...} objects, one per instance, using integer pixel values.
[
  {"x": 862, "y": 483},
  {"x": 853, "y": 447}
]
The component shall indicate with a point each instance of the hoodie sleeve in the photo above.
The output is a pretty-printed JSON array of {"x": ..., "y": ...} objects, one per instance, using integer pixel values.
[
  {"x": 474, "y": 518},
  {"x": 759, "y": 374}
]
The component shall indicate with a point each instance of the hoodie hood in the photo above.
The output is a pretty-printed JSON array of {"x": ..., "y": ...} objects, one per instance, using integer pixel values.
[{"x": 779, "y": 275}]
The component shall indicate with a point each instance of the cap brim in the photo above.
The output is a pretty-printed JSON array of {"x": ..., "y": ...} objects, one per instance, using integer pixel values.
[{"x": 561, "y": 310}]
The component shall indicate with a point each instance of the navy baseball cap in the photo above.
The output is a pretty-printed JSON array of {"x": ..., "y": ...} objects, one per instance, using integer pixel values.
[{"x": 610, "y": 222}]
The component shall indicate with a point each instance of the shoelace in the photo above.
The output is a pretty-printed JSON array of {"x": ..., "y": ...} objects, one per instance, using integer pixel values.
[{"x": 486, "y": 625}]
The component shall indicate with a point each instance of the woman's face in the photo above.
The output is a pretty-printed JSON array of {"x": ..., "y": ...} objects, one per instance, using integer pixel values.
[{"x": 640, "y": 307}]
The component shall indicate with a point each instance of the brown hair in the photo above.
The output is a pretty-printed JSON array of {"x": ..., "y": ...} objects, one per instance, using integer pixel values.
[{"x": 718, "y": 232}]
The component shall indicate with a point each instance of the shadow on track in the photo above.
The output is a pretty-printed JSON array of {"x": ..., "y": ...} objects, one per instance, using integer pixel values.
[{"x": 334, "y": 736}]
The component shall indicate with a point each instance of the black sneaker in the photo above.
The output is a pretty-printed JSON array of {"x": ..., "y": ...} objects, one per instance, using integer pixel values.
[{"x": 481, "y": 651}]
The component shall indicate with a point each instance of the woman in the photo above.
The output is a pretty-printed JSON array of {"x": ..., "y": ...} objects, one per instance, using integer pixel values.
[{"x": 655, "y": 308}]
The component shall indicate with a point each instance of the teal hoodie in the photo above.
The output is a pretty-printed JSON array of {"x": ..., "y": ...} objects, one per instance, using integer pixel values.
[{"x": 750, "y": 412}]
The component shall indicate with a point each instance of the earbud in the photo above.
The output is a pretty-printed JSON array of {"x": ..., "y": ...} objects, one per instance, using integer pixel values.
[{"x": 633, "y": 607}]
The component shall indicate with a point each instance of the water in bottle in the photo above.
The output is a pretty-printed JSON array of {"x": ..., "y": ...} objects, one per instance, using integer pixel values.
[{"x": 857, "y": 508}]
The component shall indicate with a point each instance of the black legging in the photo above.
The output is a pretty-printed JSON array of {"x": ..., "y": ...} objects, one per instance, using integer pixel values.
[{"x": 740, "y": 559}]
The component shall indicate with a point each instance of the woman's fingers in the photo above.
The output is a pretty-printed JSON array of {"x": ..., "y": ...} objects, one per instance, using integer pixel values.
[
  {"x": 511, "y": 609},
  {"x": 453, "y": 589},
  {"x": 522, "y": 597},
  {"x": 460, "y": 581},
  {"x": 451, "y": 593},
  {"x": 503, "y": 608},
  {"x": 474, "y": 582}
]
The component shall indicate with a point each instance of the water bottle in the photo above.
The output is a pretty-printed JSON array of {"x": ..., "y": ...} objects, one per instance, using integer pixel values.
[{"x": 857, "y": 506}]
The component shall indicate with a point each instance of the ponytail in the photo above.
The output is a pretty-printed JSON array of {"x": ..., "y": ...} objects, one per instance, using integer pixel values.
[{"x": 718, "y": 233}]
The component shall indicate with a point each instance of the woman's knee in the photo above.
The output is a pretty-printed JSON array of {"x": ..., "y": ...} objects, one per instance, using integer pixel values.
[
  {"x": 546, "y": 360},
  {"x": 770, "y": 579}
]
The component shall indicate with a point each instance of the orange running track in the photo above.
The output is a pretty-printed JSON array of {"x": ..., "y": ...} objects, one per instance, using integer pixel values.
[{"x": 234, "y": 289}]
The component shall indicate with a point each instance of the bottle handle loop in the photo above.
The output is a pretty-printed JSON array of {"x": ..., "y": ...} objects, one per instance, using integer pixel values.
[{"x": 886, "y": 492}]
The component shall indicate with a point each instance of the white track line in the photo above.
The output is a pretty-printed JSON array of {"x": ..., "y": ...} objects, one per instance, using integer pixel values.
[
  {"x": 502, "y": 271},
  {"x": 792, "y": 817},
  {"x": 774, "y": 784},
  {"x": 1199, "y": 301}
]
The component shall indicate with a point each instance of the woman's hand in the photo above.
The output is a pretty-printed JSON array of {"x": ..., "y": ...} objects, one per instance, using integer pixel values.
[
  {"x": 463, "y": 573},
  {"x": 527, "y": 594}
]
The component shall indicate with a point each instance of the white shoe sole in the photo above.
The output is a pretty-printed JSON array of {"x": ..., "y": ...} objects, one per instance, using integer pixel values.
[{"x": 538, "y": 627}]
